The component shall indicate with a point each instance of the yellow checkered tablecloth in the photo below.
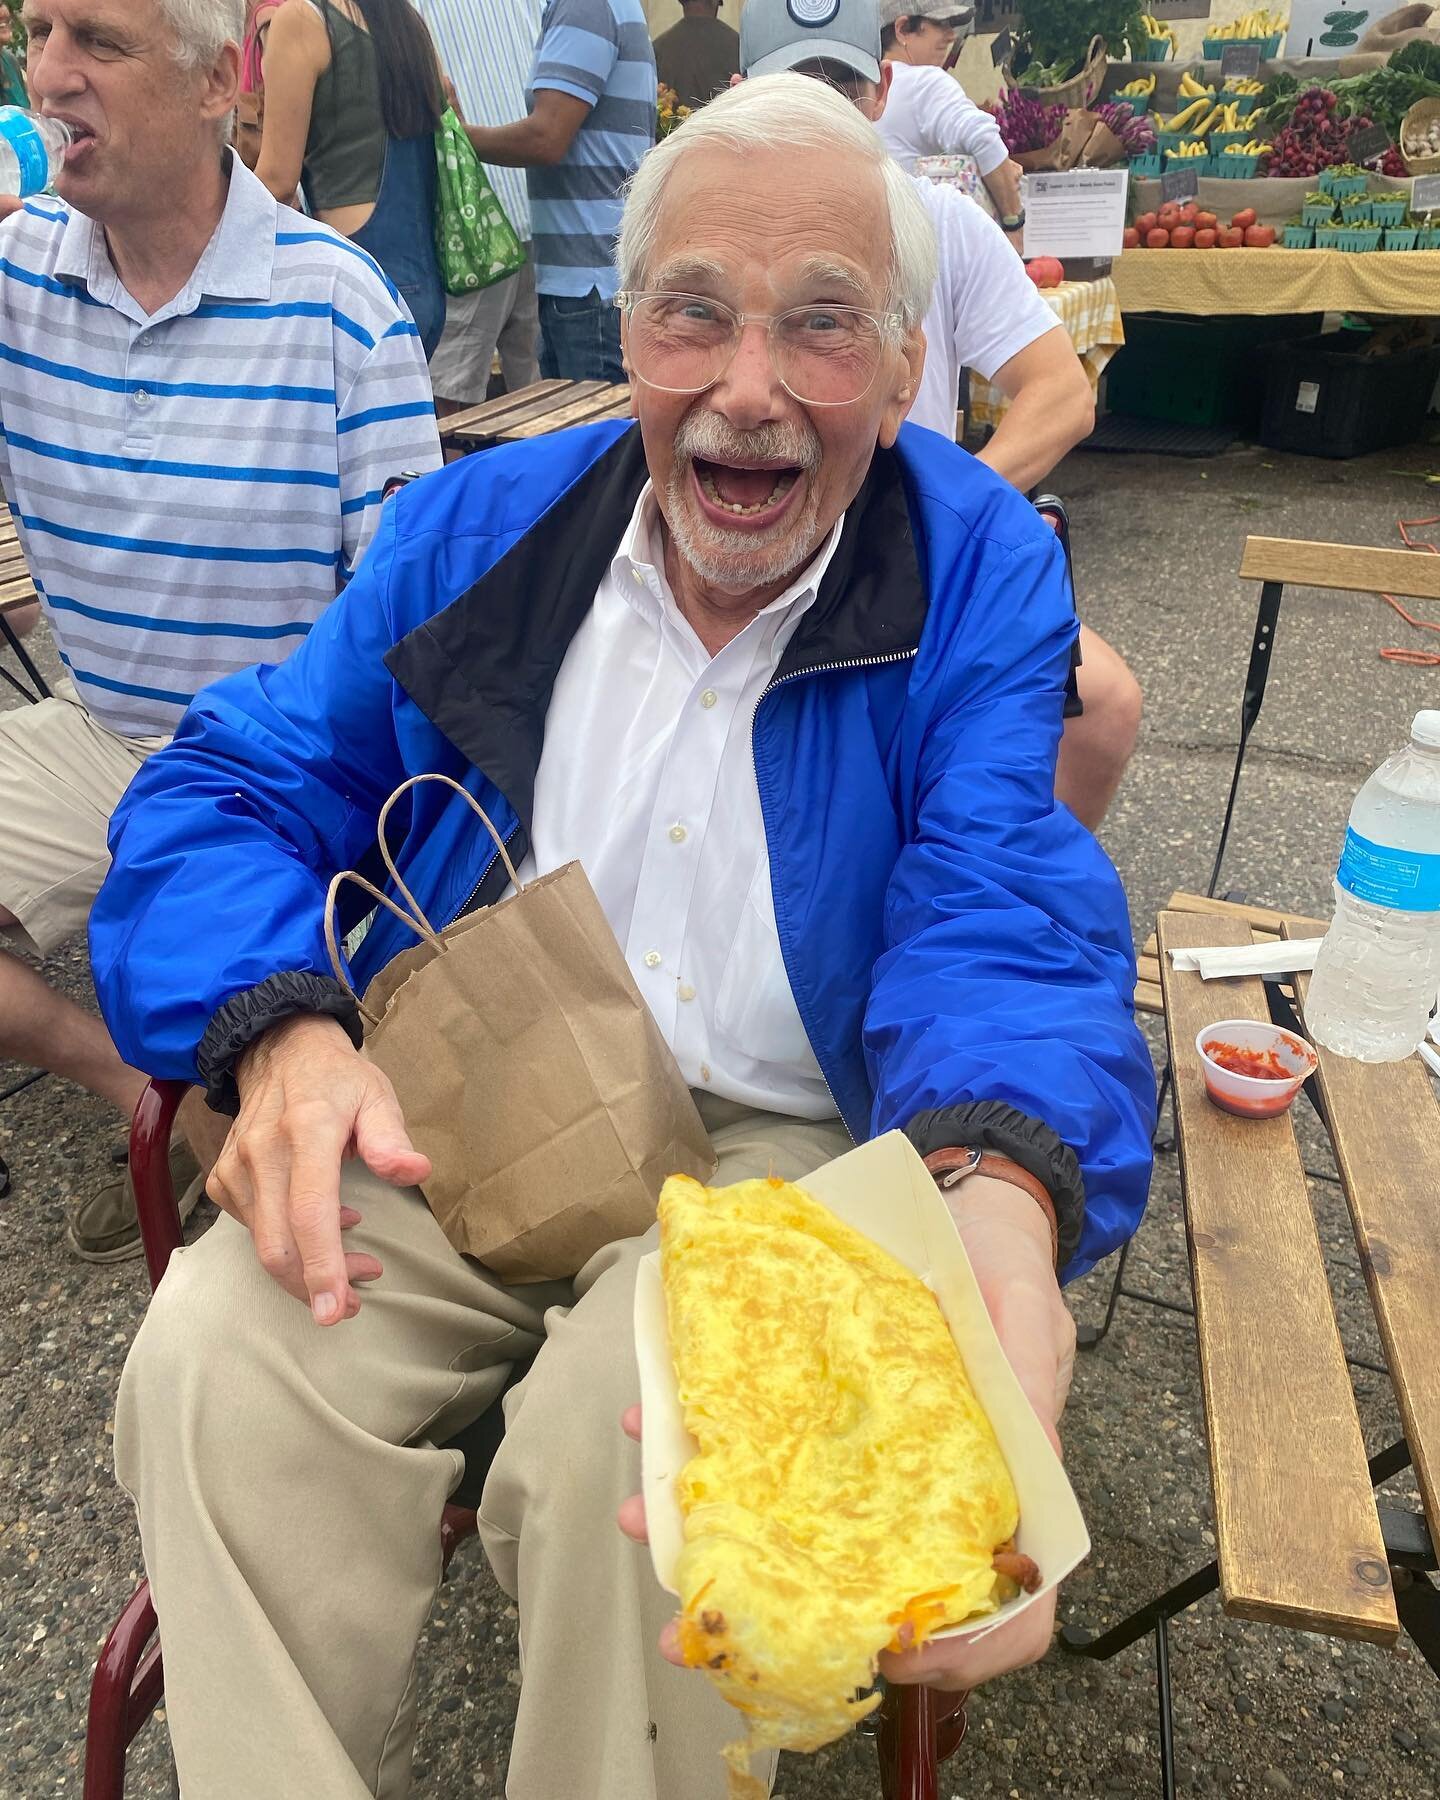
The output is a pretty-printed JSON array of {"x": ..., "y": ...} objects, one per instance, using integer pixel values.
[
  {"x": 1090, "y": 312},
  {"x": 1399, "y": 282}
]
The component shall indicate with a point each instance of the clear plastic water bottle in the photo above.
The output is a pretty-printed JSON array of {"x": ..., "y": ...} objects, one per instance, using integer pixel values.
[
  {"x": 1378, "y": 972},
  {"x": 31, "y": 151}
]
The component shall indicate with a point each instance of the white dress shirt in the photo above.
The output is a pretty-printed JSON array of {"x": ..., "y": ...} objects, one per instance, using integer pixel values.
[{"x": 647, "y": 779}]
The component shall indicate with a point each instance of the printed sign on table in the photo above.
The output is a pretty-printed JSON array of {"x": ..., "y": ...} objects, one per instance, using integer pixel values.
[{"x": 1078, "y": 213}]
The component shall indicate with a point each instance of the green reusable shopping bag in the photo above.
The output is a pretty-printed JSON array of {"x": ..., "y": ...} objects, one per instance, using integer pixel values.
[{"x": 475, "y": 242}]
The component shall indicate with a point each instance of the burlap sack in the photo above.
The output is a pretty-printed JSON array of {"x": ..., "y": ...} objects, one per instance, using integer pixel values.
[
  {"x": 1067, "y": 149},
  {"x": 1399, "y": 28},
  {"x": 529, "y": 1070}
]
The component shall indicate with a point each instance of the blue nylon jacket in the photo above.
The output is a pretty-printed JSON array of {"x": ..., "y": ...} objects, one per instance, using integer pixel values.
[{"x": 953, "y": 937}]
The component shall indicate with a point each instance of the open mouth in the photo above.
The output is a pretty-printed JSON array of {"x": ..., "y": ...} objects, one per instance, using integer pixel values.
[
  {"x": 747, "y": 495},
  {"x": 82, "y": 136}
]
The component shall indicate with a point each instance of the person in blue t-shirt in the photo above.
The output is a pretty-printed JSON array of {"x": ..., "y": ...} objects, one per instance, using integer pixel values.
[{"x": 592, "y": 117}]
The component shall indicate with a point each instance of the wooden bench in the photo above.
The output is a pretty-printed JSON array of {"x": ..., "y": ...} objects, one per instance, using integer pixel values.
[
  {"x": 1264, "y": 922},
  {"x": 534, "y": 412},
  {"x": 1300, "y": 1539},
  {"x": 17, "y": 591}
]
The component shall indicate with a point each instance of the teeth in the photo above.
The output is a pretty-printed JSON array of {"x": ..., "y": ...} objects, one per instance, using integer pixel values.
[{"x": 782, "y": 483}]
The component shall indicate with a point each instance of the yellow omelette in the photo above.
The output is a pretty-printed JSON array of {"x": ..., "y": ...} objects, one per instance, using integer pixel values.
[{"x": 848, "y": 1494}]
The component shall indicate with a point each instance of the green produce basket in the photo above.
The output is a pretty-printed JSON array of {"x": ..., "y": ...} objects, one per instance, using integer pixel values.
[
  {"x": 1154, "y": 50},
  {"x": 1312, "y": 214},
  {"x": 1244, "y": 104},
  {"x": 1234, "y": 168},
  {"x": 1388, "y": 209},
  {"x": 1200, "y": 164},
  {"x": 1356, "y": 210},
  {"x": 1427, "y": 237},
  {"x": 1215, "y": 48},
  {"x": 1166, "y": 141},
  {"x": 1327, "y": 237},
  {"x": 1298, "y": 237},
  {"x": 1400, "y": 237},
  {"x": 1221, "y": 140},
  {"x": 1139, "y": 104},
  {"x": 1341, "y": 185},
  {"x": 1148, "y": 167},
  {"x": 1358, "y": 237}
]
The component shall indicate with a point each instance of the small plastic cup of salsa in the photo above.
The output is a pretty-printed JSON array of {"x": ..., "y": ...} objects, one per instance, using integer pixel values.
[{"x": 1251, "y": 1069}]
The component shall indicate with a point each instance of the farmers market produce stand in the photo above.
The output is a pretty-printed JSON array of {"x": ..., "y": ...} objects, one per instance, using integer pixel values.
[
  {"x": 1301, "y": 1539},
  {"x": 1090, "y": 312}
]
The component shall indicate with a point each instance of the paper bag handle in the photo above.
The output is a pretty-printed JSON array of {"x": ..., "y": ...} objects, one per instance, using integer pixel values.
[
  {"x": 470, "y": 801},
  {"x": 420, "y": 926}
]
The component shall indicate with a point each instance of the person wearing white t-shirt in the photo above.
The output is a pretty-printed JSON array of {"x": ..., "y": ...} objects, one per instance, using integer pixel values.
[
  {"x": 928, "y": 113},
  {"x": 985, "y": 315}
]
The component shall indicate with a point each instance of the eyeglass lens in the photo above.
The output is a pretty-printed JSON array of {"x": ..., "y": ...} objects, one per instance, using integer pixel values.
[{"x": 826, "y": 355}]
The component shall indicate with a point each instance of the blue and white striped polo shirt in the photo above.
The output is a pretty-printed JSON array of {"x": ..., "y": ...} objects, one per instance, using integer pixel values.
[
  {"x": 597, "y": 50},
  {"x": 193, "y": 487},
  {"x": 486, "y": 47}
]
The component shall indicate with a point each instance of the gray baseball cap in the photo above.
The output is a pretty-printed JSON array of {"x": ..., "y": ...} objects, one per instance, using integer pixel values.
[
  {"x": 782, "y": 34},
  {"x": 943, "y": 12}
]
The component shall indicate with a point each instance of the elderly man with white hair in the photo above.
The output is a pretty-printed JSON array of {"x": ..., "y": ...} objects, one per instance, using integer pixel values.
[
  {"x": 201, "y": 396},
  {"x": 787, "y": 677}
]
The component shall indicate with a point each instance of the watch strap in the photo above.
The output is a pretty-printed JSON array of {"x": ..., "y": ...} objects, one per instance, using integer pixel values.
[{"x": 961, "y": 1160}]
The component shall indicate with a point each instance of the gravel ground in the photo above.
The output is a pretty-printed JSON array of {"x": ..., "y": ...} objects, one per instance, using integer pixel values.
[{"x": 1258, "y": 1710}]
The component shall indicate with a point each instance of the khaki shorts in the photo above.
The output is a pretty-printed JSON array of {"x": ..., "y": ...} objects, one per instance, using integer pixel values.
[{"x": 61, "y": 777}]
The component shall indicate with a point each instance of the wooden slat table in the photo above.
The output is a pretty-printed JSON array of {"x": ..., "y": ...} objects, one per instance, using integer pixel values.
[
  {"x": 1300, "y": 1541},
  {"x": 1264, "y": 922},
  {"x": 534, "y": 412},
  {"x": 17, "y": 591}
]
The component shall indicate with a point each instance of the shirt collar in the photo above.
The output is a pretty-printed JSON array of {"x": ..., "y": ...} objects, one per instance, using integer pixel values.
[
  {"x": 237, "y": 263},
  {"x": 638, "y": 567}
]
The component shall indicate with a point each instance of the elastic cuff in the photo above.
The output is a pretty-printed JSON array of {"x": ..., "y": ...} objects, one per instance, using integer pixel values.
[
  {"x": 245, "y": 1016},
  {"x": 992, "y": 1125}
]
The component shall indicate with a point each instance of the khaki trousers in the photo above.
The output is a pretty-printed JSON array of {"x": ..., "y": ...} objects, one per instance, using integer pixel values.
[{"x": 289, "y": 1488}]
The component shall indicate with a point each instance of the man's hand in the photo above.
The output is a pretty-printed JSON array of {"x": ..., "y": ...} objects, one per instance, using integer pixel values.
[
  {"x": 10, "y": 203},
  {"x": 1007, "y": 1238},
  {"x": 309, "y": 1100}
]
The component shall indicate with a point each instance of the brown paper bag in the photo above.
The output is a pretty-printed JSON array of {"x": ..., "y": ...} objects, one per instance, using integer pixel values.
[{"x": 529, "y": 1070}]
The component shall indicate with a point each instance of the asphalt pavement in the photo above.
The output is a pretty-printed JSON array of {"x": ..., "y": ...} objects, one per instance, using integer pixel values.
[{"x": 1259, "y": 1711}]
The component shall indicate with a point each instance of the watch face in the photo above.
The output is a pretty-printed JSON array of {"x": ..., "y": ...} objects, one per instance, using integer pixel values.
[{"x": 812, "y": 12}]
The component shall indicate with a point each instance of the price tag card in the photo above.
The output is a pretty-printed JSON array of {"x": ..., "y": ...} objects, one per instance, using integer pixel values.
[
  {"x": 1425, "y": 196},
  {"x": 1078, "y": 213},
  {"x": 1240, "y": 62},
  {"x": 1179, "y": 183},
  {"x": 1368, "y": 145},
  {"x": 1001, "y": 48}
]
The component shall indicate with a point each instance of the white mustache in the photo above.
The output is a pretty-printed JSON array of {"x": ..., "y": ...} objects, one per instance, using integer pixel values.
[{"x": 708, "y": 437}]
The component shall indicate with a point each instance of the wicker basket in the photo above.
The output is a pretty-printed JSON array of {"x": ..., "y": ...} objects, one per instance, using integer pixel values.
[
  {"x": 1080, "y": 90},
  {"x": 1421, "y": 113}
]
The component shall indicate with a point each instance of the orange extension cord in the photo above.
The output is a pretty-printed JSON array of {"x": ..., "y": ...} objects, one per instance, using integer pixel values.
[{"x": 1421, "y": 659}]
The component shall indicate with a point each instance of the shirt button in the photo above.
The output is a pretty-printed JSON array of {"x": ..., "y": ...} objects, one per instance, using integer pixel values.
[
  {"x": 652, "y": 959},
  {"x": 144, "y": 341},
  {"x": 677, "y": 834},
  {"x": 141, "y": 397},
  {"x": 708, "y": 698},
  {"x": 685, "y": 991}
]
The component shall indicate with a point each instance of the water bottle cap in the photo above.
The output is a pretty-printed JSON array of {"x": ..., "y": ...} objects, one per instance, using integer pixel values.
[{"x": 1426, "y": 729}]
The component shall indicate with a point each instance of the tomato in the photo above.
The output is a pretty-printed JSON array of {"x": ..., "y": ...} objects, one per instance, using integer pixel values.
[
  {"x": 1169, "y": 216},
  {"x": 1146, "y": 222},
  {"x": 1182, "y": 237},
  {"x": 1205, "y": 240},
  {"x": 1206, "y": 221},
  {"x": 1244, "y": 220},
  {"x": 1046, "y": 271},
  {"x": 1230, "y": 239},
  {"x": 1132, "y": 238},
  {"x": 1158, "y": 239},
  {"x": 1260, "y": 237},
  {"x": 1189, "y": 213}
]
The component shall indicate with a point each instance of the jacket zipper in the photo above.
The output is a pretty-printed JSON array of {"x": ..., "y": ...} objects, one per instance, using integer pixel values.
[
  {"x": 494, "y": 858},
  {"x": 859, "y": 662}
]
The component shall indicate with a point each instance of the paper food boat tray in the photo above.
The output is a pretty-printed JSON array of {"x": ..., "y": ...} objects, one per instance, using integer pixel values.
[{"x": 884, "y": 1190}]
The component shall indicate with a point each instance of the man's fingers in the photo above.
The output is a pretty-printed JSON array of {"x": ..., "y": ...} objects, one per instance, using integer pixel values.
[
  {"x": 631, "y": 1519},
  {"x": 630, "y": 1422},
  {"x": 956, "y": 1666},
  {"x": 383, "y": 1144},
  {"x": 670, "y": 1646},
  {"x": 359, "y": 1266},
  {"x": 314, "y": 1216}
]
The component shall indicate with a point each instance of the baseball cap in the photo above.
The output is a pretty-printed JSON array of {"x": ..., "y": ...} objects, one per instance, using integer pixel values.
[
  {"x": 782, "y": 34},
  {"x": 943, "y": 12}
]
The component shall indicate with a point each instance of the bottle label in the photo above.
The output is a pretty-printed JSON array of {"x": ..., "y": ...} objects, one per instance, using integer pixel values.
[
  {"x": 32, "y": 153},
  {"x": 1405, "y": 880}
]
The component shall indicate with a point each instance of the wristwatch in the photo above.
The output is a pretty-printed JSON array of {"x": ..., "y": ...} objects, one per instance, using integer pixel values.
[
  {"x": 1012, "y": 223},
  {"x": 952, "y": 1166}
]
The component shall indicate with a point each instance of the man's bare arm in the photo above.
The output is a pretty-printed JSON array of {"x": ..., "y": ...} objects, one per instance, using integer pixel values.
[{"x": 1052, "y": 410}]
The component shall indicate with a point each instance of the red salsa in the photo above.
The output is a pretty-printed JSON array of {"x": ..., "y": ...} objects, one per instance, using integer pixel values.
[{"x": 1259, "y": 1065}]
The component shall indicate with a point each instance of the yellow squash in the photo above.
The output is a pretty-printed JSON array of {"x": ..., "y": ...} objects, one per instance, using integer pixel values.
[{"x": 848, "y": 1494}]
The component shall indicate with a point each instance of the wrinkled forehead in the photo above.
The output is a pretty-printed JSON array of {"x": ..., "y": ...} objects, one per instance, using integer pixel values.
[{"x": 781, "y": 226}]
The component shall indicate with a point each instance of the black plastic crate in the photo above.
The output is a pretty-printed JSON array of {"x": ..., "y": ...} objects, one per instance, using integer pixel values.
[
  {"x": 1197, "y": 371},
  {"x": 1325, "y": 397}
]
